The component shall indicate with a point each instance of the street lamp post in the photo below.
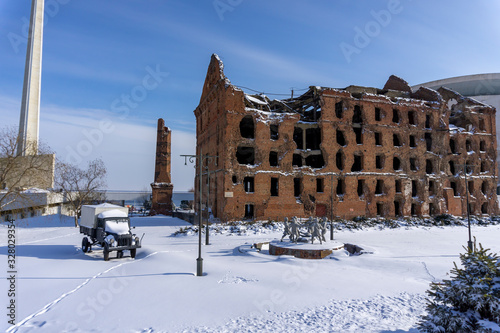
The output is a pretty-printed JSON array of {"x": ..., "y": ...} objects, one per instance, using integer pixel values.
[
  {"x": 331, "y": 209},
  {"x": 207, "y": 233},
  {"x": 200, "y": 159},
  {"x": 469, "y": 242}
]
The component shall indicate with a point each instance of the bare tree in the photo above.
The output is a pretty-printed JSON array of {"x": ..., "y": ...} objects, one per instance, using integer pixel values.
[
  {"x": 81, "y": 186},
  {"x": 21, "y": 171}
]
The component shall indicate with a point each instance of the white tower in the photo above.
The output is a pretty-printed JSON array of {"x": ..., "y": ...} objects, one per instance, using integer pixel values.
[{"x": 30, "y": 104}]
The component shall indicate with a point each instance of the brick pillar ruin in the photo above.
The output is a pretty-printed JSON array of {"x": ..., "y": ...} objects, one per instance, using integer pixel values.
[{"x": 162, "y": 186}]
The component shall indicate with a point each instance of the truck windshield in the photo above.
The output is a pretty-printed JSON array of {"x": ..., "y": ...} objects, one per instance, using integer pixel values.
[
  {"x": 119, "y": 226},
  {"x": 118, "y": 220}
]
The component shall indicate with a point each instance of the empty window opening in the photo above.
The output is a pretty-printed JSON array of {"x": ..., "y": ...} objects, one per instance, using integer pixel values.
[
  {"x": 245, "y": 155},
  {"x": 315, "y": 161},
  {"x": 274, "y": 187},
  {"x": 468, "y": 145},
  {"x": 319, "y": 185},
  {"x": 412, "y": 118},
  {"x": 379, "y": 188},
  {"x": 396, "y": 140},
  {"x": 414, "y": 191},
  {"x": 297, "y": 160},
  {"x": 453, "y": 146},
  {"x": 247, "y": 127},
  {"x": 359, "y": 135},
  {"x": 413, "y": 142},
  {"x": 431, "y": 209},
  {"x": 273, "y": 158},
  {"x": 313, "y": 138},
  {"x": 357, "y": 117},
  {"x": 341, "y": 138},
  {"x": 483, "y": 166},
  {"x": 297, "y": 187},
  {"x": 471, "y": 187},
  {"x": 482, "y": 146},
  {"x": 452, "y": 167},
  {"x": 274, "y": 132},
  {"x": 378, "y": 139},
  {"x": 312, "y": 198},
  {"x": 484, "y": 187},
  {"x": 396, "y": 163},
  {"x": 298, "y": 137},
  {"x": 379, "y": 161},
  {"x": 378, "y": 114},
  {"x": 428, "y": 120},
  {"x": 482, "y": 126},
  {"x": 453, "y": 186},
  {"x": 361, "y": 186},
  {"x": 380, "y": 209},
  {"x": 397, "y": 185},
  {"x": 339, "y": 159},
  {"x": 395, "y": 116},
  {"x": 484, "y": 208},
  {"x": 249, "y": 211},
  {"x": 429, "y": 167},
  {"x": 339, "y": 110},
  {"x": 413, "y": 209},
  {"x": 357, "y": 165},
  {"x": 248, "y": 183},
  {"x": 413, "y": 164},
  {"x": 397, "y": 208},
  {"x": 428, "y": 141},
  {"x": 469, "y": 167},
  {"x": 234, "y": 179},
  {"x": 431, "y": 187},
  {"x": 340, "y": 186}
]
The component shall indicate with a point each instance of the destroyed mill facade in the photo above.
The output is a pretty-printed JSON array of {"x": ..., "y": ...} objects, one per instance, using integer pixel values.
[{"x": 357, "y": 151}]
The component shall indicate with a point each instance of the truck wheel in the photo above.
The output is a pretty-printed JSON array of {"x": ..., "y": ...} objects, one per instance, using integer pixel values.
[
  {"x": 132, "y": 253},
  {"x": 85, "y": 245},
  {"x": 105, "y": 251}
]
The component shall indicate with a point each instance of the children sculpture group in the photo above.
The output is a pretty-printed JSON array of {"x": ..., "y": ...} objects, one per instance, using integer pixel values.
[{"x": 315, "y": 229}]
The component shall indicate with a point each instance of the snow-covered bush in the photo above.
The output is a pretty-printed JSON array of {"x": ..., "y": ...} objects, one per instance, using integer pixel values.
[
  {"x": 444, "y": 219},
  {"x": 470, "y": 300}
]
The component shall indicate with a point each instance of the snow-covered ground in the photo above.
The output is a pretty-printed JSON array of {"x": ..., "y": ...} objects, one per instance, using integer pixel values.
[{"x": 59, "y": 288}]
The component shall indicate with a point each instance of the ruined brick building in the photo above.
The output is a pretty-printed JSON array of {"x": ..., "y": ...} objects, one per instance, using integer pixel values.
[
  {"x": 161, "y": 202},
  {"x": 357, "y": 151}
]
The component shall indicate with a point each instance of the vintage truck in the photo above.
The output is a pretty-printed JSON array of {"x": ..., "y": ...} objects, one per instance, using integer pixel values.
[{"x": 108, "y": 226}]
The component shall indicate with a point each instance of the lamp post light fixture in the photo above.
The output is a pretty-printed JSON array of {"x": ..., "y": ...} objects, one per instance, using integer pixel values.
[{"x": 200, "y": 159}]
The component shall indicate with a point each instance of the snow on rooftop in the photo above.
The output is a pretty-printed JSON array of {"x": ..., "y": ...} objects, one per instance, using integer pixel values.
[
  {"x": 112, "y": 213},
  {"x": 35, "y": 190},
  {"x": 105, "y": 205},
  {"x": 255, "y": 100}
]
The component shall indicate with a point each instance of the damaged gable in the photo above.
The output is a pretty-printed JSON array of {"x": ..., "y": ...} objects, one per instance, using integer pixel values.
[{"x": 215, "y": 76}]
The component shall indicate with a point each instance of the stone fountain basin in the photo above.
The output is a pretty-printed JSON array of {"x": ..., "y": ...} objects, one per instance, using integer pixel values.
[{"x": 304, "y": 250}]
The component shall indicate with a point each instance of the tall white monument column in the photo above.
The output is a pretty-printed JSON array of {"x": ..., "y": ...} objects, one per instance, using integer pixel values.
[{"x": 30, "y": 104}]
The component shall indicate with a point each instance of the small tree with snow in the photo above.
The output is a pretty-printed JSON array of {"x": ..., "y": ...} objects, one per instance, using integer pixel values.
[{"x": 470, "y": 300}]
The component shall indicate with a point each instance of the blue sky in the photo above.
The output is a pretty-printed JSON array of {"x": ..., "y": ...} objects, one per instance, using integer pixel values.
[{"x": 97, "y": 52}]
